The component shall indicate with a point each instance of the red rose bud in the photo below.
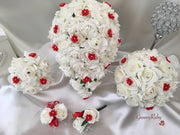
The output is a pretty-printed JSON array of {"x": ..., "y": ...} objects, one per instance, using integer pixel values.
[
  {"x": 32, "y": 55},
  {"x": 15, "y": 80},
  {"x": 119, "y": 40},
  {"x": 85, "y": 98},
  {"x": 43, "y": 81},
  {"x": 89, "y": 117},
  {"x": 129, "y": 81},
  {"x": 52, "y": 113},
  {"x": 74, "y": 38},
  {"x": 85, "y": 12},
  {"x": 150, "y": 108},
  {"x": 111, "y": 16},
  {"x": 55, "y": 48},
  {"x": 166, "y": 87},
  {"x": 110, "y": 33},
  {"x": 78, "y": 114},
  {"x": 153, "y": 58},
  {"x": 123, "y": 60},
  {"x": 86, "y": 79},
  {"x": 55, "y": 29},
  {"x": 62, "y": 4},
  {"x": 91, "y": 56}
]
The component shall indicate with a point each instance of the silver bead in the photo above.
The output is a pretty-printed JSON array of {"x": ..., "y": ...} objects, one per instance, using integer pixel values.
[{"x": 166, "y": 18}]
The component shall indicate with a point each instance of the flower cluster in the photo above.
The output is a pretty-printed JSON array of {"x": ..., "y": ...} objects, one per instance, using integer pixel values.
[
  {"x": 85, "y": 37},
  {"x": 89, "y": 116},
  {"x": 29, "y": 74},
  {"x": 54, "y": 113},
  {"x": 146, "y": 78}
]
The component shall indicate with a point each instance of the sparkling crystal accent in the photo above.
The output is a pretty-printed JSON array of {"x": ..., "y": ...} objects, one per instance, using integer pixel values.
[{"x": 166, "y": 18}]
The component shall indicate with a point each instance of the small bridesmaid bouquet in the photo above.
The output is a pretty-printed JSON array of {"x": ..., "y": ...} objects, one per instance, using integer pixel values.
[{"x": 30, "y": 74}]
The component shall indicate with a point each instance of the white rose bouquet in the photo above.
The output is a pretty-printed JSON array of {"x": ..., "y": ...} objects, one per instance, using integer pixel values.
[
  {"x": 146, "y": 78},
  {"x": 29, "y": 74},
  {"x": 85, "y": 36},
  {"x": 84, "y": 118},
  {"x": 53, "y": 114}
]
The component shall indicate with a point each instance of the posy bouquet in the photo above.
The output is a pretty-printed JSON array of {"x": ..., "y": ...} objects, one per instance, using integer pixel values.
[
  {"x": 29, "y": 74},
  {"x": 146, "y": 78}
]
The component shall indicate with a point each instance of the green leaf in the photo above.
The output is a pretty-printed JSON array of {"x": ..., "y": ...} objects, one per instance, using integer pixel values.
[
  {"x": 84, "y": 123},
  {"x": 95, "y": 80},
  {"x": 73, "y": 15},
  {"x": 89, "y": 89},
  {"x": 81, "y": 82}
]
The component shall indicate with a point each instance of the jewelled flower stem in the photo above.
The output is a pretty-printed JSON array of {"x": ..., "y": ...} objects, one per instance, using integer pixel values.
[{"x": 156, "y": 39}]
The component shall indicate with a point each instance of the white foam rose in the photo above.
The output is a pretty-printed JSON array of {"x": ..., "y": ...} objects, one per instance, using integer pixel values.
[
  {"x": 94, "y": 113},
  {"x": 167, "y": 68},
  {"x": 29, "y": 72},
  {"x": 93, "y": 85},
  {"x": 149, "y": 76},
  {"x": 119, "y": 75},
  {"x": 77, "y": 124},
  {"x": 133, "y": 100},
  {"x": 149, "y": 93},
  {"x": 76, "y": 84},
  {"x": 133, "y": 67},
  {"x": 84, "y": 93},
  {"x": 30, "y": 90},
  {"x": 61, "y": 111},
  {"x": 133, "y": 88},
  {"x": 122, "y": 91},
  {"x": 88, "y": 30},
  {"x": 45, "y": 117},
  {"x": 161, "y": 100}
]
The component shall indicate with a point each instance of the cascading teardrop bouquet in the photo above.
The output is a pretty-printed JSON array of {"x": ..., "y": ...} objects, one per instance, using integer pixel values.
[{"x": 85, "y": 37}]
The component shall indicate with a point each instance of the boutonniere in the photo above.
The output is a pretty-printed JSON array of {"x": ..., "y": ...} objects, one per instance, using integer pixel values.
[
  {"x": 54, "y": 113},
  {"x": 86, "y": 117}
]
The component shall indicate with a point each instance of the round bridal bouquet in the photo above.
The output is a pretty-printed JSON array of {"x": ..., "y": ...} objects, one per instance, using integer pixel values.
[
  {"x": 29, "y": 74},
  {"x": 85, "y": 37},
  {"x": 146, "y": 78}
]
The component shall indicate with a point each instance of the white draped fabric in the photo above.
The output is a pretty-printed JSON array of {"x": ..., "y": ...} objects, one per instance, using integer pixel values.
[{"x": 27, "y": 23}]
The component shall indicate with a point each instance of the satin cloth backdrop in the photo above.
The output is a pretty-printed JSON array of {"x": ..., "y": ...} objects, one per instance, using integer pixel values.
[{"x": 27, "y": 24}]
